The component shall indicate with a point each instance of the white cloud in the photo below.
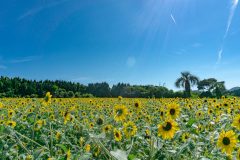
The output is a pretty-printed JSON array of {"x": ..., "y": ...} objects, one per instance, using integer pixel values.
[
  {"x": 219, "y": 55},
  {"x": 25, "y": 59},
  {"x": 229, "y": 22},
  {"x": 36, "y": 10},
  {"x": 173, "y": 19},
  {"x": 131, "y": 61}
]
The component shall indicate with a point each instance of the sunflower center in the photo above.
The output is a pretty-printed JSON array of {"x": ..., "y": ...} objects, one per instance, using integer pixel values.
[
  {"x": 226, "y": 141},
  {"x": 117, "y": 134},
  {"x": 129, "y": 129},
  {"x": 136, "y": 105},
  {"x": 172, "y": 111},
  {"x": 161, "y": 113},
  {"x": 167, "y": 127},
  {"x": 99, "y": 121},
  {"x": 119, "y": 112}
]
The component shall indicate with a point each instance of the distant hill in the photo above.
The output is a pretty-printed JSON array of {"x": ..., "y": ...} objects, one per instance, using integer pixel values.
[{"x": 234, "y": 89}]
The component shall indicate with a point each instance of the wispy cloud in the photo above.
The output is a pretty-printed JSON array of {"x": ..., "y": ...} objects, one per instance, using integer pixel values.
[
  {"x": 36, "y": 10},
  {"x": 232, "y": 11},
  {"x": 181, "y": 51},
  {"x": 220, "y": 55},
  {"x": 173, "y": 19},
  {"x": 229, "y": 22},
  {"x": 25, "y": 59}
]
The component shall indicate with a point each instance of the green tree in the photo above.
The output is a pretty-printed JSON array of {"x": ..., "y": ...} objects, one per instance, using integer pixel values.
[
  {"x": 186, "y": 81},
  {"x": 206, "y": 87},
  {"x": 219, "y": 89},
  {"x": 211, "y": 88}
]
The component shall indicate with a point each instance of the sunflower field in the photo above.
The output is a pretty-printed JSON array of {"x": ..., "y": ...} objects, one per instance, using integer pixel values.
[{"x": 119, "y": 128}]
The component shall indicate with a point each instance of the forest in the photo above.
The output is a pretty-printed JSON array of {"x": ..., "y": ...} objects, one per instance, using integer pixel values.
[{"x": 21, "y": 87}]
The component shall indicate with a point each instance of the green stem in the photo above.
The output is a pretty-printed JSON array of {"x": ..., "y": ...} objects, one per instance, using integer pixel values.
[
  {"x": 30, "y": 140},
  {"x": 51, "y": 140}
]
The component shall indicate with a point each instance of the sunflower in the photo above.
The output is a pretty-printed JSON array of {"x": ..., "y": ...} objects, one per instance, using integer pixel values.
[
  {"x": 210, "y": 111},
  {"x": 168, "y": 129},
  {"x": 68, "y": 155},
  {"x": 99, "y": 121},
  {"x": 91, "y": 125},
  {"x": 48, "y": 97},
  {"x": 39, "y": 124},
  {"x": 137, "y": 105},
  {"x": 87, "y": 148},
  {"x": 52, "y": 117},
  {"x": 227, "y": 141},
  {"x": 58, "y": 135},
  {"x": 81, "y": 141},
  {"x": 97, "y": 151},
  {"x": 11, "y": 113},
  {"x": 1, "y": 105},
  {"x": 29, "y": 157},
  {"x": 173, "y": 111},
  {"x": 11, "y": 123},
  {"x": 129, "y": 129},
  {"x": 24, "y": 118},
  {"x": 67, "y": 117},
  {"x": 120, "y": 112},
  {"x": 199, "y": 114},
  {"x": 147, "y": 134},
  {"x": 185, "y": 137},
  {"x": 117, "y": 135},
  {"x": 119, "y": 98},
  {"x": 107, "y": 128},
  {"x": 236, "y": 122}
]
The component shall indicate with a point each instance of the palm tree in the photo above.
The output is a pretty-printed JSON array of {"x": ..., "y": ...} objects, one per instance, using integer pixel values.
[{"x": 186, "y": 81}]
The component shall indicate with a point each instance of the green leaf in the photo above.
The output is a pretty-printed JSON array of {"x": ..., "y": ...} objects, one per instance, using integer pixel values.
[
  {"x": 190, "y": 123},
  {"x": 119, "y": 154},
  {"x": 86, "y": 156},
  {"x": 2, "y": 129},
  {"x": 131, "y": 157},
  {"x": 64, "y": 148},
  {"x": 38, "y": 153}
]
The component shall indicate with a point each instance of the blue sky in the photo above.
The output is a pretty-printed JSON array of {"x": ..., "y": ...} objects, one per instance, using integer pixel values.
[{"x": 137, "y": 41}]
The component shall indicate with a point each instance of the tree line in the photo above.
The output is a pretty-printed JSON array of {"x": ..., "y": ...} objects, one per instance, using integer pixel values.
[{"x": 20, "y": 87}]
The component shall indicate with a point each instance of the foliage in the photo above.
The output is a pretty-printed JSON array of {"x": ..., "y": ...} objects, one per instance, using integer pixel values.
[
  {"x": 17, "y": 87},
  {"x": 211, "y": 88}
]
